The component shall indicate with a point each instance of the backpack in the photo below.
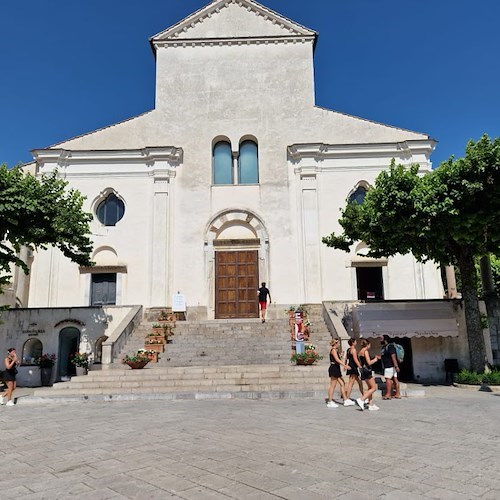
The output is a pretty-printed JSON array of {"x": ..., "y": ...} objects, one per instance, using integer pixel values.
[{"x": 400, "y": 352}]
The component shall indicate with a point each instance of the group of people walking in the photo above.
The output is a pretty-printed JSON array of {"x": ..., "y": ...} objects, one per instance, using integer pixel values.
[{"x": 358, "y": 366}]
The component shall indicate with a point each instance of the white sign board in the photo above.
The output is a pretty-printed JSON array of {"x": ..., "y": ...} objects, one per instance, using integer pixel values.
[{"x": 178, "y": 302}]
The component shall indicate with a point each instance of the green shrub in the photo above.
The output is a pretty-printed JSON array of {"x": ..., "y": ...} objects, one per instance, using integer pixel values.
[
  {"x": 492, "y": 378},
  {"x": 473, "y": 378},
  {"x": 468, "y": 377}
]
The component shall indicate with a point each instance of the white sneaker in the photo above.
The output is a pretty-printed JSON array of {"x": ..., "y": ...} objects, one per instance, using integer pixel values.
[
  {"x": 2, "y": 401},
  {"x": 349, "y": 402},
  {"x": 373, "y": 407},
  {"x": 10, "y": 403},
  {"x": 332, "y": 404},
  {"x": 360, "y": 403}
]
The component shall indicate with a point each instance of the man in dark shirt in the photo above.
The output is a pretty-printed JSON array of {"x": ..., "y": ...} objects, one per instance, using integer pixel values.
[
  {"x": 263, "y": 293},
  {"x": 391, "y": 368}
]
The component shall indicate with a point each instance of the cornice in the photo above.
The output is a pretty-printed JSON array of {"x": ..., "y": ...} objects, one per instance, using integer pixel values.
[
  {"x": 148, "y": 155},
  {"x": 320, "y": 151},
  {"x": 227, "y": 42}
]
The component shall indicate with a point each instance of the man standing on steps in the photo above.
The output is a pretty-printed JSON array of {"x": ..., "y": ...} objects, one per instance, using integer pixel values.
[{"x": 263, "y": 293}]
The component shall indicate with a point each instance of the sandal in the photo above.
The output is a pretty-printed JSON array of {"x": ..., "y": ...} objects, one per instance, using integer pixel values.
[{"x": 386, "y": 398}]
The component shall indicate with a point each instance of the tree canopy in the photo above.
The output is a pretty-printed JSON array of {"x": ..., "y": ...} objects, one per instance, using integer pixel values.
[
  {"x": 450, "y": 215},
  {"x": 37, "y": 213}
]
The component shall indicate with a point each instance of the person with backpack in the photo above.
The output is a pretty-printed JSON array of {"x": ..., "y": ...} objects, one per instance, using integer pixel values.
[{"x": 390, "y": 364}]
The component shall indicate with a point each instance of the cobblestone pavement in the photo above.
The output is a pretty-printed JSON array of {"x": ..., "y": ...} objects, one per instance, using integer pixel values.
[{"x": 445, "y": 445}]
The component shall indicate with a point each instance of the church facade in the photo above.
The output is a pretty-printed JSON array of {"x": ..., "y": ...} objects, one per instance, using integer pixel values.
[{"x": 231, "y": 180}]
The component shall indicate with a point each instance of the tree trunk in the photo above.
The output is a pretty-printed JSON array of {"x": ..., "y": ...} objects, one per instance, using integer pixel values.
[
  {"x": 477, "y": 349},
  {"x": 492, "y": 306}
]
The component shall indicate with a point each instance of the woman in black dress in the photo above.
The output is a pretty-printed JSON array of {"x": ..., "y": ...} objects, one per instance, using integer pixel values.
[
  {"x": 367, "y": 376},
  {"x": 336, "y": 375},
  {"x": 9, "y": 376},
  {"x": 353, "y": 370}
]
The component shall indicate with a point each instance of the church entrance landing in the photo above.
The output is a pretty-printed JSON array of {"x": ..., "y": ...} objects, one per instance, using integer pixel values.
[{"x": 236, "y": 284}]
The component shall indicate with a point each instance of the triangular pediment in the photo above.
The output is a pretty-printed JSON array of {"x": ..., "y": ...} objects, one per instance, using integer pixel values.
[{"x": 233, "y": 19}]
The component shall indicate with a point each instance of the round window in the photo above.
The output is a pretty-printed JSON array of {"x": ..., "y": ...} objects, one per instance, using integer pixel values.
[{"x": 110, "y": 211}]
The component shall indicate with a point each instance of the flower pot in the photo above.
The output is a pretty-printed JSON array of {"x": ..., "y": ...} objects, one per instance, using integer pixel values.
[
  {"x": 154, "y": 347},
  {"x": 156, "y": 338},
  {"x": 310, "y": 361},
  {"x": 137, "y": 365},
  {"x": 46, "y": 375},
  {"x": 153, "y": 357},
  {"x": 81, "y": 370}
]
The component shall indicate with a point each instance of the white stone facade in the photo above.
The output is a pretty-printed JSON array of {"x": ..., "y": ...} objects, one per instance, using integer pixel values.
[{"x": 232, "y": 71}]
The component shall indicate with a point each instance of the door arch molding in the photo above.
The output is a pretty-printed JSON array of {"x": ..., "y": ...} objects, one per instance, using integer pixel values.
[{"x": 255, "y": 237}]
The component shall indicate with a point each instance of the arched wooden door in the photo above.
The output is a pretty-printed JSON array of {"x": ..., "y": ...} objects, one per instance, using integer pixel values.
[{"x": 236, "y": 284}]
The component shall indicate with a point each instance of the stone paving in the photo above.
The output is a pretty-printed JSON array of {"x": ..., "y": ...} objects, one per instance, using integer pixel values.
[{"x": 445, "y": 445}]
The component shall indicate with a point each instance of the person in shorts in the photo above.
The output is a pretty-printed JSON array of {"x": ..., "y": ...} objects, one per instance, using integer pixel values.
[
  {"x": 263, "y": 293},
  {"x": 367, "y": 376},
  {"x": 391, "y": 368},
  {"x": 9, "y": 376},
  {"x": 335, "y": 374}
]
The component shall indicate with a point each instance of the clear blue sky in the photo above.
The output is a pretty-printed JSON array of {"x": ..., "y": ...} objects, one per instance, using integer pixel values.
[{"x": 72, "y": 66}]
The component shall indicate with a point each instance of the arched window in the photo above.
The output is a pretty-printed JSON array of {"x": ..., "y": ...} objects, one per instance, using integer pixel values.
[
  {"x": 32, "y": 350},
  {"x": 248, "y": 163},
  {"x": 223, "y": 163},
  {"x": 358, "y": 196},
  {"x": 110, "y": 210}
]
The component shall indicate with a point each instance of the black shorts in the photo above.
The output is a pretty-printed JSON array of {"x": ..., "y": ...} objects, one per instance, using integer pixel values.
[
  {"x": 334, "y": 371},
  {"x": 366, "y": 373},
  {"x": 353, "y": 371}
]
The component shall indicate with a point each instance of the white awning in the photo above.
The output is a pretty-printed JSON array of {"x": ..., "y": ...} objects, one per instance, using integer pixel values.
[{"x": 405, "y": 319}]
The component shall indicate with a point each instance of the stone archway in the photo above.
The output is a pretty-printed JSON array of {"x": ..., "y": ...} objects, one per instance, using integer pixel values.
[{"x": 236, "y": 260}]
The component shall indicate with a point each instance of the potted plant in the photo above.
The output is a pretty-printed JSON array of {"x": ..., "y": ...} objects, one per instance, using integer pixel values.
[
  {"x": 46, "y": 362},
  {"x": 309, "y": 357},
  {"x": 154, "y": 336},
  {"x": 151, "y": 354},
  {"x": 81, "y": 362},
  {"x": 157, "y": 329},
  {"x": 136, "y": 361},
  {"x": 152, "y": 344}
]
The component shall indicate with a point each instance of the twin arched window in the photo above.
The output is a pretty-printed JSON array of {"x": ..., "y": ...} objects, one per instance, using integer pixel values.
[{"x": 247, "y": 171}]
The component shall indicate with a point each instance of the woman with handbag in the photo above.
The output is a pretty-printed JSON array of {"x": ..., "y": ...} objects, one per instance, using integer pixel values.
[
  {"x": 367, "y": 375},
  {"x": 9, "y": 376},
  {"x": 336, "y": 376}
]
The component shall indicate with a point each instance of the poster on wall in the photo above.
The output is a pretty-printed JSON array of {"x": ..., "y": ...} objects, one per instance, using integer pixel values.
[{"x": 178, "y": 302}]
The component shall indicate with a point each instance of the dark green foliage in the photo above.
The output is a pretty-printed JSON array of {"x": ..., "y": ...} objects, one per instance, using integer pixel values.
[
  {"x": 450, "y": 216},
  {"x": 37, "y": 213},
  {"x": 474, "y": 378}
]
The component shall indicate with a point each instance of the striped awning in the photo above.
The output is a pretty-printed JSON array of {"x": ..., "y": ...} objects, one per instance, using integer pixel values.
[{"x": 405, "y": 319}]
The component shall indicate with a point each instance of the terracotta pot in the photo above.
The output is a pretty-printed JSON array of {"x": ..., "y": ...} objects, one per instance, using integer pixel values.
[
  {"x": 154, "y": 347},
  {"x": 137, "y": 365},
  {"x": 309, "y": 361}
]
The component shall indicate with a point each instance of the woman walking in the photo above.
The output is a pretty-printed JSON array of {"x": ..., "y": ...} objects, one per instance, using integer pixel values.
[
  {"x": 367, "y": 376},
  {"x": 336, "y": 376},
  {"x": 9, "y": 376},
  {"x": 353, "y": 370}
]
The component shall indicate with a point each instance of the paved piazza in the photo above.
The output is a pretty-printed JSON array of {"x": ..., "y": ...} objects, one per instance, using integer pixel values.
[{"x": 445, "y": 445}]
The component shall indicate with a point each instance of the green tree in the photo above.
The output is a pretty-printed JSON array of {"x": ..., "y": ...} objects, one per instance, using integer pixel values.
[
  {"x": 450, "y": 216},
  {"x": 37, "y": 213}
]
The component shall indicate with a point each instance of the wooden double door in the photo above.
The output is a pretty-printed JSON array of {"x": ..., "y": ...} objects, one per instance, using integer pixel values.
[{"x": 236, "y": 284}]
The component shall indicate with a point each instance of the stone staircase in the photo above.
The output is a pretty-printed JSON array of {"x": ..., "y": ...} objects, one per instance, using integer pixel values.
[{"x": 219, "y": 358}]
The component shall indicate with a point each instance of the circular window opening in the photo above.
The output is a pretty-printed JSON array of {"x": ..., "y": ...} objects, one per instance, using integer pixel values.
[{"x": 110, "y": 211}]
